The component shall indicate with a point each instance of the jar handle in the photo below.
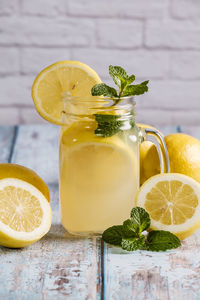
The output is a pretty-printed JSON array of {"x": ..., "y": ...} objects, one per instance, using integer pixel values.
[{"x": 161, "y": 146}]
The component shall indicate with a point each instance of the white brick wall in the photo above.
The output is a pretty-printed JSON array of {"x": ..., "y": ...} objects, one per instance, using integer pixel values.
[{"x": 157, "y": 40}]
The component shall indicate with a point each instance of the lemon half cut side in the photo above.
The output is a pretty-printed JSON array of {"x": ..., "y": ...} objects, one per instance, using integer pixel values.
[
  {"x": 173, "y": 202},
  {"x": 25, "y": 213}
]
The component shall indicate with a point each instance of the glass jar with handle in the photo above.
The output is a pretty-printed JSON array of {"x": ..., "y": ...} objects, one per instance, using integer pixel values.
[{"x": 99, "y": 162}]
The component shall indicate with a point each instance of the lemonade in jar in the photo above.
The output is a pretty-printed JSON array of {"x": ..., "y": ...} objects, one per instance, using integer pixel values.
[{"x": 98, "y": 144}]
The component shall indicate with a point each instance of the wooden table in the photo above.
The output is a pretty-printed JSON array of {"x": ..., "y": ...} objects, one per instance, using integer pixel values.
[{"x": 64, "y": 267}]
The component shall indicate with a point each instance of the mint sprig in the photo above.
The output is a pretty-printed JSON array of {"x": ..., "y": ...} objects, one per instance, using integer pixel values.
[
  {"x": 109, "y": 125},
  {"x": 123, "y": 81},
  {"x": 130, "y": 235}
]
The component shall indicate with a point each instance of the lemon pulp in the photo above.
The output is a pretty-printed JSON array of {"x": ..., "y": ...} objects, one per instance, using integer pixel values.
[
  {"x": 54, "y": 83},
  {"x": 173, "y": 202},
  {"x": 25, "y": 214}
]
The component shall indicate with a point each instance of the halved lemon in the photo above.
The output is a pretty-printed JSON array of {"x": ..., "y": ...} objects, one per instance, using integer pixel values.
[
  {"x": 173, "y": 202},
  {"x": 25, "y": 213},
  {"x": 54, "y": 83}
]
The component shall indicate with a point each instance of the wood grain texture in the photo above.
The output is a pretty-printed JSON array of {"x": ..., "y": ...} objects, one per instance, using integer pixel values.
[
  {"x": 36, "y": 147},
  {"x": 59, "y": 266},
  {"x": 7, "y": 135},
  {"x": 143, "y": 275}
]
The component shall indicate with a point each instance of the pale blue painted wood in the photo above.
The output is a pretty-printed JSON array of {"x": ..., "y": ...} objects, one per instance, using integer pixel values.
[
  {"x": 145, "y": 275},
  {"x": 7, "y": 134},
  {"x": 56, "y": 267},
  {"x": 36, "y": 147},
  {"x": 59, "y": 266},
  {"x": 63, "y": 267}
]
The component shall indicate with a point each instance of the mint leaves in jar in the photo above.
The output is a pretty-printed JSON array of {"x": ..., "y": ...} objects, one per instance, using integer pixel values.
[{"x": 110, "y": 124}]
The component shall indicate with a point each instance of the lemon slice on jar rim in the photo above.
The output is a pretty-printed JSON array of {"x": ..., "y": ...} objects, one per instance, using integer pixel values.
[{"x": 63, "y": 78}]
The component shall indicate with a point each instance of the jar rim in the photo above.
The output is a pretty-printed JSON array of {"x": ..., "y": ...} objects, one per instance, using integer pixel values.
[{"x": 98, "y": 99}]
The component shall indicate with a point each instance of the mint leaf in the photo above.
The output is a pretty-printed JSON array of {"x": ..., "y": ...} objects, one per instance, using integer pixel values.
[
  {"x": 113, "y": 235},
  {"x": 137, "y": 89},
  {"x": 160, "y": 240},
  {"x": 129, "y": 226},
  {"x": 118, "y": 74},
  {"x": 140, "y": 219},
  {"x": 123, "y": 81},
  {"x": 108, "y": 125},
  {"x": 132, "y": 244},
  {"x": 102, "y": 89}
]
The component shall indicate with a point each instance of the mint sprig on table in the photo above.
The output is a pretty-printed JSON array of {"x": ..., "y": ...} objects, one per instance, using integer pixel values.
[
  {"x": 109, "y": 125},
  {"x": 130, "y": 235}
]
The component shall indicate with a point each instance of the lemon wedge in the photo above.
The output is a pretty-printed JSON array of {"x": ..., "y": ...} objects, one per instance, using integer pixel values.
[
  {"x": 25, "y": 213},
  {"x": 173, "y": 202},
  {"x": 54, "y": 83}
]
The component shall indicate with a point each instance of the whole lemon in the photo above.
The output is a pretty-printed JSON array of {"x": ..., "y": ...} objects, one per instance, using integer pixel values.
[{"x": 184, "y": 156}]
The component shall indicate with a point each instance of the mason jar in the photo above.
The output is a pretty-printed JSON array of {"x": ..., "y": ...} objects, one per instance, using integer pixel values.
[{"x": 99, "y": 162}]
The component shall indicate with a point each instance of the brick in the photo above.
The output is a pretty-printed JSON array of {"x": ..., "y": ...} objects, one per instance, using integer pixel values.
[
  {"x": 8, "y": 7},
  {"x": 118, "y": 8},
  {"x": 46, "y": 32},
  {"x": 173, "y": 34},
  {"x": 145, "y": 64},
  {"x": 169, "y": 94},
  {"x": 29, "y": 115},
  {"x": 9, "y": 60},
  {"x": 119, "y": 33},
  {"x": 33, "y": 60},
  {"x": 185, "y": 9},
  {"x": 185, "y": 65},
  {"x": 160, "y": 117},
  {"x": 16, "y": 90},
  {"x": 9, "y": 116},
  {"x": 39, "y": 8}
]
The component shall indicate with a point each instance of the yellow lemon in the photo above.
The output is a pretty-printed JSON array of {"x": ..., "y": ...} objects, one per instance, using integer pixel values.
[
  {"x": 25, "y": 213},
  {"x": 56, "y": 82},
  {"x": 20, "y": 172},
  {"x": 184, "y": 156},
  {"x": 173, "y": 202}
]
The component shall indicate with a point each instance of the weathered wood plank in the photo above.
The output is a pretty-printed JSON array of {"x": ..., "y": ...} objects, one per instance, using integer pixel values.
[
  {"x": 59, "y": 266},
  {"x": 37, "y": 148},
  {"x": 153, "y": 276},
  {"x": 7, "y": 134},
  {"x": 191, "y": 130}
]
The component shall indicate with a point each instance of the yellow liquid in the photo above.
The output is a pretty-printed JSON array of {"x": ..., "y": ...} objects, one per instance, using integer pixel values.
[{"x": 99, "y": 178}]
